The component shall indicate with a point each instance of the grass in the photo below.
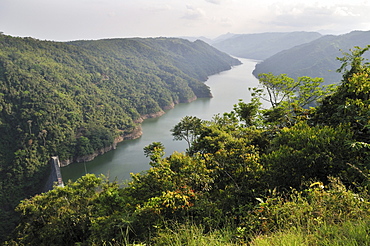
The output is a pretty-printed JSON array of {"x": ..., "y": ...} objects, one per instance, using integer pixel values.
[
  {"x": 193, "y": 235},
  {"x": 349, "y": 233},
  {"x": 318, "y": 216}
]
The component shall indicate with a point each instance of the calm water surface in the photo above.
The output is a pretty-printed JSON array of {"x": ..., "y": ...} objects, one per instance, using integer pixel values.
[{"x": 227, "y": 88}]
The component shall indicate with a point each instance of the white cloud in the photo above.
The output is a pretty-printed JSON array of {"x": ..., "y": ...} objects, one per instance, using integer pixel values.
[
  {"x": 315, "y": 17},
  {"x": 159, "y": 7},
  {"x": 344, "y": 11},
  {"x": 193, "y": 13},
  {"x": 224, "y": 21}
]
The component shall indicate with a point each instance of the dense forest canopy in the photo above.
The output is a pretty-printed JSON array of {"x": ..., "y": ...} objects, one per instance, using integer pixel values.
[
  {"x": 71, "y": 99},
  {"x": 253, "y": 174}
]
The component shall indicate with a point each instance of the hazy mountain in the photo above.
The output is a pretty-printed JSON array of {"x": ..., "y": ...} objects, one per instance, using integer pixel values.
[
  {"x": 192, "y": 39},
  {"x": 224, "y": 37},
  {"x": 262, "y": 45},
  {"x": 210, "y": 40},
  {"x": 315, "y": 59}
]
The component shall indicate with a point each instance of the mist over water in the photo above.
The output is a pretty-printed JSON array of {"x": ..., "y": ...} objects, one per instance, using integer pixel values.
[{"x": 227, "y": 88}]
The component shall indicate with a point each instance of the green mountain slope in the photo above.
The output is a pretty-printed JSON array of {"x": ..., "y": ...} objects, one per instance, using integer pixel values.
[
  {"x": 263, "y": 45},
  {"x": 314, "y": 59},
  {"x": 71, "y": 99}
]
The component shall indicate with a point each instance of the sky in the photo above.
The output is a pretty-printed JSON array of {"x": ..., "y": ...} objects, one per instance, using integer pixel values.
[{"x": 65, "y": 20}]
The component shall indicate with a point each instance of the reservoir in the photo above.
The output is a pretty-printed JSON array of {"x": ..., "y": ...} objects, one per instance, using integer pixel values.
[{"x": 227, "y": 88}]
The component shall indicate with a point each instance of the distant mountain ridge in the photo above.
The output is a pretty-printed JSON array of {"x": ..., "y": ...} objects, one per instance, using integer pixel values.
[
  {"x": 316, "y": 58},
  {"x": 192, "y": 39},
  {"x": 260, "y": 46}
]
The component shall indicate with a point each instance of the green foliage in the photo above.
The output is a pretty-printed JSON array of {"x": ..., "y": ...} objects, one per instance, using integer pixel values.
[
  {"x": 302, "y": 153},
  {"x": 192, "y": 234},
  {"x": 73, "y": 99},
  {"x": 83, "y": 146},
  {"x": 347, "y": 233},
  {"x": 242, "y": 179},
  {"x": 319, "y": 215},
  {"x": 154, "y": 151},
  {"x": 188, "y": 129},
  {"x": 350, "y": 103},
  {"x": 316, "y": 205},
  {"x": 91, "y": 211},
  {"x": 289, "y": 98},
  {"x": 248, "y": 112},
  {"x": 278, "y": 88},
  {"x": 311, "y": 90}
]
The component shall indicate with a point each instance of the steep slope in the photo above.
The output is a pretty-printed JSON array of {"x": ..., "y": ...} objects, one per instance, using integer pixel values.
[
  {"x": 72, "y": 99},
  {"x": 260, "y": 46},
  {"x": 314, "y": 59}
]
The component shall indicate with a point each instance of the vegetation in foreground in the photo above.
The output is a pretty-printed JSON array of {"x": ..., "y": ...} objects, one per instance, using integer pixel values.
[{"x": 288, "y": 175}]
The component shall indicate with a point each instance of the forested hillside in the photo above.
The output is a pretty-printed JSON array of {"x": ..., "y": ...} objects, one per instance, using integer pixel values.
[
  {"x": 72, "y": 99},
  {"x": 260, "y": 46},
  {"x": 316, "y": 58},
  {"x": 285, "y": 175}
]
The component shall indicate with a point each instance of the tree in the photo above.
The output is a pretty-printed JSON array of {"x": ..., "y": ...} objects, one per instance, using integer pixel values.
[
  {"x": 350, "y": 104},
  {"x": 248, "y": 112},
  {"x": 83, "y": 146},
  {"x": 278, "y": 88},
  {"x": 310, "y": 90},
  {"x": 90, "y": 211},
  {"x": 155, "y": 151},
  {"x": 288, "y": 97},
  {"x": 187, "y": 129},
  {"x": 303, "y": 153},
  {"x": 283, "y": 89}
]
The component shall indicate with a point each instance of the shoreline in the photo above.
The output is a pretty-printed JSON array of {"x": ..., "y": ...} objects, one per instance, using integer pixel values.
[{"x": 135, "y": 134}]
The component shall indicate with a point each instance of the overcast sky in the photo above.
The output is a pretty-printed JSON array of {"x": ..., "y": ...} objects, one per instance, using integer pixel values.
[{"x": 64, "y": 20}]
